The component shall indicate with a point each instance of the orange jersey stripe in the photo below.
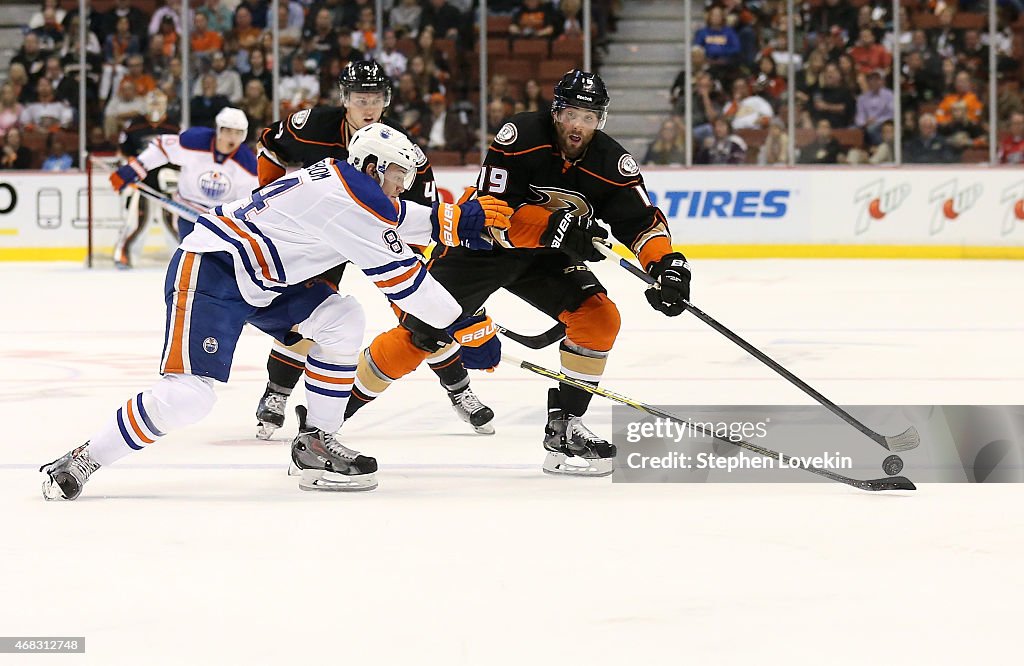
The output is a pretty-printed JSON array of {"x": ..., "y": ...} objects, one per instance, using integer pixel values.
[
  {"x": 391, "y": 282},
  {"x": 610, "y": 182},
  {"x": 253, "y": 244},
  {"x": 286, "y": 361},
  {"x": 175, "y": 357},
  {"x": 521, "y": 152},
  {"x": 329, "y": 380},
  {"x": 135, "y": 425},
  {"x": 369, "y": 210}
]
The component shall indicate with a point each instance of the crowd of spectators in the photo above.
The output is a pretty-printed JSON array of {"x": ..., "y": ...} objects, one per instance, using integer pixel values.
[
  {"x": 844, "y": 100},
  {"x": 134, "y": 47}
]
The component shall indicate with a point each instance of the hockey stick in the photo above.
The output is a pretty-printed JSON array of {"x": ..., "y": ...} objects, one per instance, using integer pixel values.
[
  {"x": 904, "y": 441},
  {"x": 888, "y": 483},
  {"x": 188, "y": 212},
  {"x": 539, "y": 341}
]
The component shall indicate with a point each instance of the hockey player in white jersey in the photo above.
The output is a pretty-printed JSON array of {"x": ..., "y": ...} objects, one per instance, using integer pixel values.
[
  {"x": 216, "y": 167},
  {"x": 253, "y": 261}
]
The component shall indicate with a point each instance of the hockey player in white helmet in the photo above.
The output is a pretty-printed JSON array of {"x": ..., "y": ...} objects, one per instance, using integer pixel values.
[
  {"x": 308, "y": 136},
  {"x": 252, "y": 261},
  {"x": 216, "y": 167}
]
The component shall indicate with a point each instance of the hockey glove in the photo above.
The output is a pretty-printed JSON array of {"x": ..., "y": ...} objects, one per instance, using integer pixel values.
[
  {"x": 672, "y": 290},
  {"x": 465, "y": 224},
  {"x": 481, "y": 347},
  {"x": 573, "y": 235},
  {"x": 126, "y": 175}
]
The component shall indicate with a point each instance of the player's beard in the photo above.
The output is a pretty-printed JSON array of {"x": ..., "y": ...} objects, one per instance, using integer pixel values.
[{"x": 572, "y": 143}]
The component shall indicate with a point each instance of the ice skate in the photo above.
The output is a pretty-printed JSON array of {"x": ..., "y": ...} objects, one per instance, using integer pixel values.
[
  {"x": 66, "y": 476},
  {"x": 472, "y": 411},
  {"x": 270, "y": 413},
  {"x": 325, "y": 464},
  {"x": 572, "y": 448}
]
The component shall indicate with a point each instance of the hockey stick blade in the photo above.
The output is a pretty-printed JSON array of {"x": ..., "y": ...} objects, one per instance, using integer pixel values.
[
  {"x": 539, "y": 341},
  {"x": 906, "y": 441},
  {"x": 888, "y": 483}
]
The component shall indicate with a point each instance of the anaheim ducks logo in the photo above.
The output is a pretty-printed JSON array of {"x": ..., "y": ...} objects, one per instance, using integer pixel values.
[
  {"x": 299, "y": 118},
  {"x": 628, "y": 166},
  {"x": 421, "y": 159},
  {"x": 506, "y": 135},
  {"x": 556, "y": 199}
]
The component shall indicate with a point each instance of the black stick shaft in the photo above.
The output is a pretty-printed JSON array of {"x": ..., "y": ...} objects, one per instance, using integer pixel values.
[
  {"x": 756, "y": 353},
  {"x": 891, "y": 483}
]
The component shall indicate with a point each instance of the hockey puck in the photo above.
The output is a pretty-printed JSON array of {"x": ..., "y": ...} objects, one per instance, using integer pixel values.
[{"x": 892, "y": 465}]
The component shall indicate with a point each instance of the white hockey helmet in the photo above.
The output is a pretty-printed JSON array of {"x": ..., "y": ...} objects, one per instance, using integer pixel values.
[
  {"x": 384, "y": 145},
  {"x": 232, "y": 118}
]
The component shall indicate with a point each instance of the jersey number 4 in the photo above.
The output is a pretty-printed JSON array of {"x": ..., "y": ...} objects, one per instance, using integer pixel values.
[{"x": 258, "y": 200}]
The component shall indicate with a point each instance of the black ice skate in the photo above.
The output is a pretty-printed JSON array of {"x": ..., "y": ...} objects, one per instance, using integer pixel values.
[
  {"x": 270, "y": 413},
  {"x": 66, "y": 476},
  {"x": 472, "y": 411},
  {"x": 572, "y": 447},
  {"x": 325, "y": 464}
]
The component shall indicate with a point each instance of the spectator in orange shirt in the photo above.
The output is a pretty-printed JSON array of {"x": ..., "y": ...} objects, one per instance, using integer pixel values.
[
  {"x": 204, "y": 40},
  {"x": 169, "y": 31},
  {"x": 245, "y": 33},
  {"x": 869, "y": 55},
  {"x": 138, "y": 75},
  {"x": 533, "y": 20},
  {"x": 963, "y": 91}
]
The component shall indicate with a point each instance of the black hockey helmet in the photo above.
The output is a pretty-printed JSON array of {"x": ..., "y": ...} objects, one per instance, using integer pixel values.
[
  {"x": 582, "y": 90},
  {"x": 364, "y": 76}
]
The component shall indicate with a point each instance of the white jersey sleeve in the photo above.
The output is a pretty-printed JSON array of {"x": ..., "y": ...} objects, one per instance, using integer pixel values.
[
  {"x": 311, "y": 220},
  {"x": 414, "y": 223}
]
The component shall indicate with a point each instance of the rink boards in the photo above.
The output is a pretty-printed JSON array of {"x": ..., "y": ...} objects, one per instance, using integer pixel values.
[{"x": 740, "y": 213}]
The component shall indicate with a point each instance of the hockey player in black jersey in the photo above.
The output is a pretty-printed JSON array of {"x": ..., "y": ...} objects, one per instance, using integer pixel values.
[
  {"x": 133, "y": 140},
  {"x": 306, "y": 137},
  {"x": 560, "y": 173}
]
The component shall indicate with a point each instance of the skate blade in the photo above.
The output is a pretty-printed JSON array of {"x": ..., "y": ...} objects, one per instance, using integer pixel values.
[
  {"x": 52, "y": 491},
  {"x": 293, "y": 469},
  {"x": 318, "y": 479},
  {"x": 559, "y": 463},
  {"x": 483, "y": 429},
  {"x": 265, "y": 431}
]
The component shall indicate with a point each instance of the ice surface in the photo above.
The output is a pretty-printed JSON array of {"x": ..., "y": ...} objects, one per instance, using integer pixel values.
[{"x": 201, "y": 551}]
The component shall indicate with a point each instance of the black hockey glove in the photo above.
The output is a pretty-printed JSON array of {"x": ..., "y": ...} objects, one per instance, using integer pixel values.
[
  {"x": 672, "y": 289},
  {"x": 573, "y": 235}
]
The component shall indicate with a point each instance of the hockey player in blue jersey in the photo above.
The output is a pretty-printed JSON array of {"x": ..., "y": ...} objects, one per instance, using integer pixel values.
[
  {"x": 216, "y": 167},
  {"x": 254, "y": 261}
]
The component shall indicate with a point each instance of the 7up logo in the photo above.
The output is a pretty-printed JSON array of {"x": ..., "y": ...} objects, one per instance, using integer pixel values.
[
  {"x": 949, "y": 201},
  {"x": 875, "y": 200}
]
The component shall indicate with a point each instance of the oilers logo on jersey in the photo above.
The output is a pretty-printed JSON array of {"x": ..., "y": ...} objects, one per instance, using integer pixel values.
[{"x": 214, "y": 184}]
